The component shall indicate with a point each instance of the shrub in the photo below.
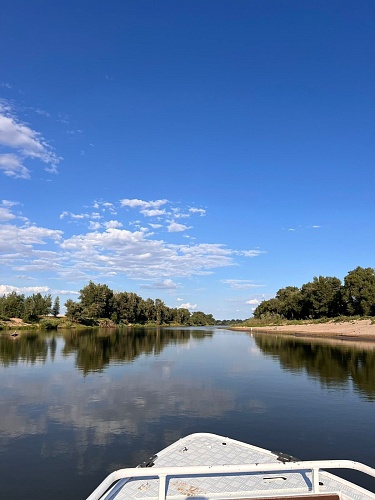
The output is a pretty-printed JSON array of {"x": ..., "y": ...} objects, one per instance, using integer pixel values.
[{"x": 49, "y": 324}]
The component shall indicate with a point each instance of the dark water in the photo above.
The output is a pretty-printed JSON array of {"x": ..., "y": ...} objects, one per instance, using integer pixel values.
[{"x": 75, "y": 406}]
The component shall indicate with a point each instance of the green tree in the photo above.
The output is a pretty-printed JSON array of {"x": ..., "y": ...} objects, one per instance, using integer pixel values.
[
  {"x": 56, "y": 307},
  {"x": 36, "y": 305},
  {"x": 267, "y": 308},
  {"x": 181, "y": 316},
  {"x": 289, "y": 302},
  {"x": 359, "y": 291},
  {"x": 199, "y": 318},
  {"x": 128, "y": 308},
  {"x": 12, "y": 305},
  {"x": 161, "y": 312},
  {"x": 96, "y": 300},
  {"x": 73, "y": 310},
  {"x": 149, "y": 310},
  {"x": 322, "y": 298}
]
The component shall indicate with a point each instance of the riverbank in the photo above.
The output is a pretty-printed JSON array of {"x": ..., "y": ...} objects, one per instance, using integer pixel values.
[{"x": 356, "y": 329}]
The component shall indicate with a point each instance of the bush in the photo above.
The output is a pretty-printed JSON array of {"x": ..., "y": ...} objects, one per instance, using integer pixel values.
[{"x": 49, "y": 324}]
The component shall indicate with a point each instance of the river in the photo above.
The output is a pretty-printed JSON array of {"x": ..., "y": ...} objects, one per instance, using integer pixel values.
[{"x": 75, "y": 406}]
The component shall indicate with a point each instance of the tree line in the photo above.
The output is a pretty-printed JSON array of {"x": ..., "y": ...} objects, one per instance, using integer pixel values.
[
  {"x": 324, "y": 297},
  {"x": 97, "y": 301},
  {"x": 14, "y": 305}
]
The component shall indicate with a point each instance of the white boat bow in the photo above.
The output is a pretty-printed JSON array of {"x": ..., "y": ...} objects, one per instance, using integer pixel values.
[{"x": 208, "y": 466}]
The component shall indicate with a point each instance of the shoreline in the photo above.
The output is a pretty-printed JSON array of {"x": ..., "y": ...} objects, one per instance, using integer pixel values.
[{"x": 353, "y": 330}]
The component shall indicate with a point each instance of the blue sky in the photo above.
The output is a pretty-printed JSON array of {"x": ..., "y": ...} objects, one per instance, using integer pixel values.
[{"x": 203, "y": 152}]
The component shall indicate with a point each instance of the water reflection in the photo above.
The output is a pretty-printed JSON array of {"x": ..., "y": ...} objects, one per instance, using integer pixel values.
[
  {"x": 334, "y": 363},
  {"x": 29, "y": 347},
  {"x": 77, "y": 405},
  {"x": 97, "y": 349},
  {"x": 94, "y": 349}
]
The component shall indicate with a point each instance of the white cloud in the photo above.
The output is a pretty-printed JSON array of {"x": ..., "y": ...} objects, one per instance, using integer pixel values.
[
  {"x": 166, "y": 284},
  {"x": 12, "y": 166},
  {"x": 112, "y": 223},
  {"x": 6, "y": 214},
  {"x": 6, "y": 289},
  {"x": 74, "y": 132},
  {"x": 199, "y": 211},
  {"x": 253, "y": 302},
  {"x": 240, "y": 284},
  {"x": 18, "y": 245},
  {"x": 82, "y": 216},
  {"x": 138, "y": 256},
  {"x": 134, "y": 203},
  {"x": 9, "y": 203},
  {"x": 174, "y": 227},
  {"x": 156, "y": 226},
  {"x": 189, "y": 306},
  {"x": 106, "y": 249},
  {"x": 316, "y": 227},
  {"x": 249, "y": 253},
  {"x": 23, "y": 142},
  {"x": 41, "y": 112},
  {"x": 94, "y": 226},
  {"x": 178, "y": 215},
  {"x": 152, "y": 212}
]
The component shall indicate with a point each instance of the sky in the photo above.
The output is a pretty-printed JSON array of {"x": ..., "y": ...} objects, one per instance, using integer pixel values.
[{"x": 204, "y": 152}]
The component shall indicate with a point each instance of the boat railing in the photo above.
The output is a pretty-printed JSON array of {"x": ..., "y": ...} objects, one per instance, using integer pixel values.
[{"x": 164, "y": 473}]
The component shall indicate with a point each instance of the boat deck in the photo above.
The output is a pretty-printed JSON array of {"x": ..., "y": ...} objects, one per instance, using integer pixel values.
[{"x": 207, "y": 466}]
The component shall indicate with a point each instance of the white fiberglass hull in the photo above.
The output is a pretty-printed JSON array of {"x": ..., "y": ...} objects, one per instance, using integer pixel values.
[{"x": 207, "y": 466}]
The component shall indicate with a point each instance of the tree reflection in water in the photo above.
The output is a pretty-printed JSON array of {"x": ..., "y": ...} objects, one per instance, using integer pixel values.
[
  {"x": 94, "y": 349},
  {"x": 28, "y": 347},
  {"x": 333, "y": 363},
  {"x": 97, "y": 349}
]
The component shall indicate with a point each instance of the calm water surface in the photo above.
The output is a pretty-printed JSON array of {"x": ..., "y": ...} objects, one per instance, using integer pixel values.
[{"x": 75, "y": 406}]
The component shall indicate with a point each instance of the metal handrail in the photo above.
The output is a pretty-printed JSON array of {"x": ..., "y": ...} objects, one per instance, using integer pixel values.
[{"x": 163, "y": 472}]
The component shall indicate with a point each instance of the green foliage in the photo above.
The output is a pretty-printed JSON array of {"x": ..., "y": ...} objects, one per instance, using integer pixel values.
[
  {"x": 96, "y": 300},
  {"x": 29, "y": 308},
  {"x": 360, "y": 291},
  {"x": 49, "y": 324},
  {"x": 199, "y": 318},
  {"x": 56, "y": 307},
  {"x": 35, "y": 306},
  {"x": 98, "y": 304},
  {"x": 324, "y": 297}
]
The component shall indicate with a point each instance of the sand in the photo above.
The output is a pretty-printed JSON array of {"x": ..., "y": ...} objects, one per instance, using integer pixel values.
[{"x": 359, "y": 329}]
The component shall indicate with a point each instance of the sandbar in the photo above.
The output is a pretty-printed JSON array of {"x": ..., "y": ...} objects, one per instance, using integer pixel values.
[{"x": 356, "y": 329}]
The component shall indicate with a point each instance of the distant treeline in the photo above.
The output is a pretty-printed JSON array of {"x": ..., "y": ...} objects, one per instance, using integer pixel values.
[
  {"x": 324, "y": 297},
  {"x": 98, "y": 301},
  {"x": 14, "y": 305}
]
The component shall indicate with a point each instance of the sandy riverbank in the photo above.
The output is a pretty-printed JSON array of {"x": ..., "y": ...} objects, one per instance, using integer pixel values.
[{"x": 359, "y": 329}]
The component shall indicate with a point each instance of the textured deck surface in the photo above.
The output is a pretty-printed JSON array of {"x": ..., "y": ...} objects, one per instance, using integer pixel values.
[{"x": 208, "y": 449}]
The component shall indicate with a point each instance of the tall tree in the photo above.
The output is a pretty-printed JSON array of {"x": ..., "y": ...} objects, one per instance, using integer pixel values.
[
  {"x": 12, "y": 305},
  {"x": 321, "y": 297},
  {"x": 73, "y": 310},
  {"x": 359, "y": 291},
  {"x": 289, "y": 302},
  {"x": 96, "y": 300},
  {"x": 56, "y": 307}
]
